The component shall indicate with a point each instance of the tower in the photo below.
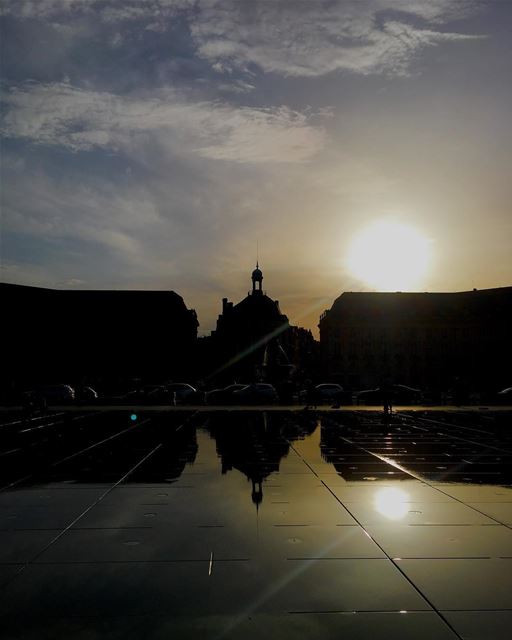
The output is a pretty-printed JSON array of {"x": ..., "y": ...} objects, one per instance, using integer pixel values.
[{"x": 257, "y": 279}]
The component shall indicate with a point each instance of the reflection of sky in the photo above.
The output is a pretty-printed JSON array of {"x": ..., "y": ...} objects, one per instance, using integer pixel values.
[
  {"x": 391, "y": 502},
  {"x": 140, "y": 139}
]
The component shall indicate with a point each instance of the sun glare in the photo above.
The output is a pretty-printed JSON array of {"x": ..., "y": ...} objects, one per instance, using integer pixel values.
[
  {"x": 392, "y": 503},
  {"x": 390, "y": 256}
]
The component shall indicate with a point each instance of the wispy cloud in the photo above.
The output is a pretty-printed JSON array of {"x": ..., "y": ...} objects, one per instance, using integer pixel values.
[
  {"x": 80, "y": 120},
  {"x": 152, "y": 142},
  {"x": 108, "y": 10},
  {"x": 315, "y": 38},
  {"x": 287, "y": 37}
]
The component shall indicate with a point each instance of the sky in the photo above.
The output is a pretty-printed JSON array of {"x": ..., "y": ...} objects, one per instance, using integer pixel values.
[{"x": 166, "y": 144}]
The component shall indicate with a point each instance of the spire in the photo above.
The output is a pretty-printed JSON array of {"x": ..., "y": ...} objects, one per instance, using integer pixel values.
[{"x": 257, "y": 279}]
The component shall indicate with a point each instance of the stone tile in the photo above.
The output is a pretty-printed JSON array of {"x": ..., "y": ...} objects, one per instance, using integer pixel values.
[
  {"x": 481, "y": 625},
  {"x": 196, "y": 588},
  {"x": 462, "y": 584},
  {"x": 391, "y": 509},
  {"x": 404, "y": 541},
  {"x": 327, "y": 626},
  {"x": 500, "y": 511}
]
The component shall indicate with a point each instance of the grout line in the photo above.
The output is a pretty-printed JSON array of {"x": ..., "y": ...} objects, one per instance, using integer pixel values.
[
  {"x": 393, "y": 562},
  {"x": 96, "y": 502}
]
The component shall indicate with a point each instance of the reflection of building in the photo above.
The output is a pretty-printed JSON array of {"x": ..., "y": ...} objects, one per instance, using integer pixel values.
[
  {"x": 399, "y": 451},
  {"x": 420, "y": 339},
  {"x": 353, "y": 463},
  {"x": 255, "y": 450},
  {"x": 73, "y": 335},
  {"x": 254, "y": 340},
  {"x": 179, "y": 450}
]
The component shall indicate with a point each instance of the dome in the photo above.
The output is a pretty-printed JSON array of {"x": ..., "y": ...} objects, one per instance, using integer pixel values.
[{"x": 257, "y": 274}]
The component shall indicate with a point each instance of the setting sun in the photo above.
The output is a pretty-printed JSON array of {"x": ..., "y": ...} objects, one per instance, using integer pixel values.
[{"x": 390, "y": 256}]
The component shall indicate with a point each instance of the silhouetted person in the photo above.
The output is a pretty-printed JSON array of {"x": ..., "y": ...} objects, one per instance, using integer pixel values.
[{"x": 387, "y": 398}]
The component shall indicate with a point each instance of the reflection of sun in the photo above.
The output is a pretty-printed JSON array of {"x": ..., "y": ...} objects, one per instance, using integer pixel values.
[
  {"x": 389, "y": 256},
  {"x": 392, "y": 503}
]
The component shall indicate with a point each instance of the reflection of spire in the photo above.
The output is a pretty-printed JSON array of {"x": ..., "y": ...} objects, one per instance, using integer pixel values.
[
  {"x": 257, "y": 492},
  {"x": 257, "y": 498},
  {"x": 255, "y": 451},
  {"x": 258, "y": 519}
]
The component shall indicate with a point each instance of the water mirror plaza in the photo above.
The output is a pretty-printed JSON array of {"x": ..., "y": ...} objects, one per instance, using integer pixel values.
[{"x": 184, "y": 523}]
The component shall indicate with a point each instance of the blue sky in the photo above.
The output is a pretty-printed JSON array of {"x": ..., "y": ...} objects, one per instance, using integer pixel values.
[{"x": 152, "y": 144}]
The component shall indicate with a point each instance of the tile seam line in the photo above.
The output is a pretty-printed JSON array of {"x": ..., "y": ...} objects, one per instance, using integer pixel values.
[
  {"x": 397, "y": 567},
  {"x": 117, "y": 562},
  {"x": 486, "y": 447},
  {"x": 290, "y": 612},
  {"x": 420, "y": 479},
  {"x": 444, "y": 424},
  {"x": 10, "y": 424},
  {"x": 74, "y": 455},
  {"x": 284, "y": 613},
  {"x": 96, "y": 502}
]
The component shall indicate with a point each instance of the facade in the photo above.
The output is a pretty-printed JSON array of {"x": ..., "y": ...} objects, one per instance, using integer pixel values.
[
  {"x": 254, "y": 340},
  {"x": 426, "y": 340},
  {"x": 63, "y": 336}
]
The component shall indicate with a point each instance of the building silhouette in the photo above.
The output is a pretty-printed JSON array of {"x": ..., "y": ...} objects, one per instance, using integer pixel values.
[
  {"x": 85, "y": 336},
  {"x": 254, "y": 340},
  {"x": 427, "y": 340}
]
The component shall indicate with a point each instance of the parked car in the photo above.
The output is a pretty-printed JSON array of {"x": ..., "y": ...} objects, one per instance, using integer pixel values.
[
  {"x": 398, "y": 393},
  {"x": 57, "y": 393},
  {"x": 85, "y": 394},
  {"x": 158, "y": 394},
  {"x": 183, "y": 393},
  {"x": 369, "y": 396},
  {"x": 329, "y": 393},
  {"x": 223, "y": 396},
  {"x": 402, "y": 394},
  {"x": 147, "y": 393},
  {"x": 504, "y": 396},
  {"x": 256, "y": 393},
  {"x": 432, "y": 397}
]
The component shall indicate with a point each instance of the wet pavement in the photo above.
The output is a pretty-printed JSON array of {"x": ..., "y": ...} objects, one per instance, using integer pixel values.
[{"x": 227, "y": 524}]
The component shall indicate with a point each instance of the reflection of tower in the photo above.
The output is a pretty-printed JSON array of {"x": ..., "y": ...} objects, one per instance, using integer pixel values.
[
  {"x": 257, "y": 280},
  {"x": 255, "y": 451},
  {"x": 258, "y": 448},
  {"x": 257, "y": 491}
]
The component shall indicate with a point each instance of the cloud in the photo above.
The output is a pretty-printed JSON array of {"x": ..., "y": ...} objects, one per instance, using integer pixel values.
[
  {"x": 110, "y": 216},
  {"x": 107, "y": 10},
  {"x": 316, "y": 38},
  {"x": 287, "y": 37},
  {"x": 81, "y": 120}
]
